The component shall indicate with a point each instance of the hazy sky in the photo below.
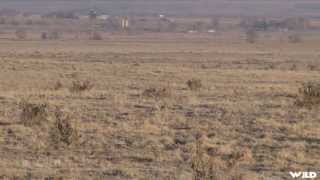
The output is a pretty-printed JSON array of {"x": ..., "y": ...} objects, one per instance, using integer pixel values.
[{"x": 173, "y": 7}]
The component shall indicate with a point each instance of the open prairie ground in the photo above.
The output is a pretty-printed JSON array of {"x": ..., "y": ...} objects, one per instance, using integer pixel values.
[{"x": 156, "y": 108}]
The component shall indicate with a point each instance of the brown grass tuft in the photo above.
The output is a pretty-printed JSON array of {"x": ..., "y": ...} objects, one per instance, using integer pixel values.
[
  {"x": 96, "y": 36},
  {"x": 203, "y": 168},
  {"x": 62, "y": 132},
  {"x": 156, "y": 92},
  {"x": 33, "y": 113},
  {"x": 294, "y": 38},
  {"x": 309, "y": 94},
  {"x": 80, "y": 86},
  {"x": 21, "y": 33},
  {"x": 194, "y": 84},
  {"x": 57, "y": 85}
]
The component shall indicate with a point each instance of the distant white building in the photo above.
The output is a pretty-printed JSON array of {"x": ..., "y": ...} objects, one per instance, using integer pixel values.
[
  {"x": 35, "y": 16},
  {"x": 103, "y": 17},
  {"x": 284, "y": 30},
  {"x": 192, "y": 31},
  {"x": 125, "y": 23},
  {"x": 83, "y": 17}
]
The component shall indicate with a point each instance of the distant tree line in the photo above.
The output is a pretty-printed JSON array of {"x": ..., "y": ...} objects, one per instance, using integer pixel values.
[
  {"x": 61, "y": 15},
  {"x": 269, "y": 25}
]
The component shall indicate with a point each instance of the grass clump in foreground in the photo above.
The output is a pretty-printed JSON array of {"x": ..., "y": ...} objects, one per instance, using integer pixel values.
[
  {"x": 57, "y": 85},
  {"x": 62, "y": 132},
  {"x": 208, "y": 164},
  {"x": 56, "y": 123},
  {"x": 156, "y": 93},
  {"x": 194, "y": 84},
  {"x": 202, "y": 167},
  {"x": 33, "y": 113},
  {"x": 309, "y": 94},
  {"x": 81, "y": 86}
]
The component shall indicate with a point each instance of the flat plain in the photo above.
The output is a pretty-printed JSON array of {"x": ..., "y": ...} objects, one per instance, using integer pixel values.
[{"x": 156, "y": 108}]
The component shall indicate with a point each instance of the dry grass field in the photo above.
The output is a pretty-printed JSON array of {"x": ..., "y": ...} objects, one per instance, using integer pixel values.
[{"x": 156, "y": 108}]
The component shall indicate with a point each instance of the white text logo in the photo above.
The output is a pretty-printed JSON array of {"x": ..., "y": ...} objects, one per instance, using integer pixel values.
[{"x": 303, "y": 175}]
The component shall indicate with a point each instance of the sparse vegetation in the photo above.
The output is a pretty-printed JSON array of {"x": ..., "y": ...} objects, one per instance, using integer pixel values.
[
  {"x": 57, "y": 85},
  {"x": 55, "y": 35},
  {"x": 309, "y": 94},
  {"x": 312, "y": 67},
  {"x": 251, "y": 36},
  {"x": 295, "y": 38},
  {"x": 21, "y": 34},
  {"x": 156, "y": 93},
  {"x": 63, "y": 131},
  {"x": 33, "y": 113},
  {"x": 44, "y": 36},
  {"x": 202, "y": 166},
  {"x": 147, "y": 98},
  {"x": 81, "y": 86},
  {"x": 194, "y": 84},
  {"x": 96, "y": 36}
]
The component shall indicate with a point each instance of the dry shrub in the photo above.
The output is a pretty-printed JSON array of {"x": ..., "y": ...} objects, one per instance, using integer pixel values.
[
  {"x": 3, "y": 20},
  {"x": 21, "y": 34},
  {"x": 293, "y": 67},
  {"x": 33, "y": 113},
  {"x": 80, "y": 86},
  {"x": 96, "y": 36},
  {"x": 251, "y": 36},
  {"x": 217, "y": 165},
  {"x": 57, "y": 85},
  {"x": 194, "y": 84},
  {"x": 156, "y": 93},
  {"x": 62, "y": 133},
  {"x": 201, "y": 166},
  {"x": 294, "y": 38},
  {"x": 309, "y": 94},
  {"x": 55, "y": 35},
  {"x": 44, "y": 35},
  {"x": 312, "y": 67}
]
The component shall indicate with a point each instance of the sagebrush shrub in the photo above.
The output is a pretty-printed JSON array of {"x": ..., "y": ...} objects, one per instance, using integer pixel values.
[
  {"x": 62, "y": 132},
  {"x": 21, "y": 34},
  {"x": 194, "y": 84},
  {"x": 33, "y": 113},
  {"x": 57, "y": 85},
  {"x": 294, "y": 38},
  {"x": 96, "y": 36},
  {"x": 80, "y": 86},
  {"x": 251, "y": 36},
  {"x": 201, "y": 166},
  {"x": 44, "y": 35},
  {"x": 156, "y": 92},
  {"x": 309, "y": 94}
]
